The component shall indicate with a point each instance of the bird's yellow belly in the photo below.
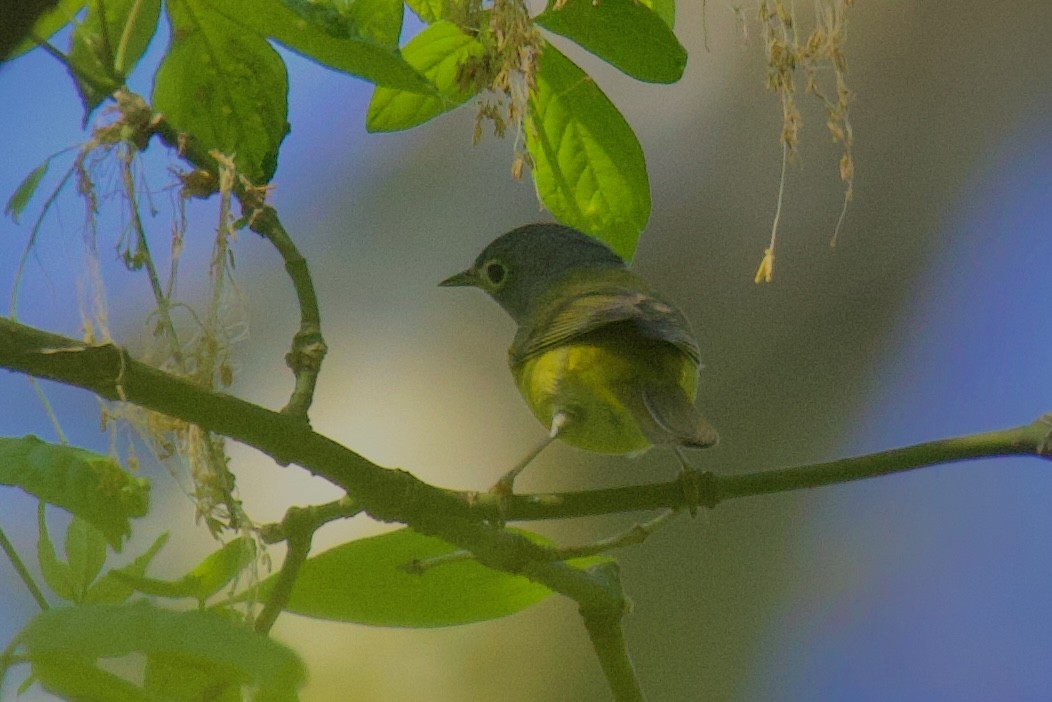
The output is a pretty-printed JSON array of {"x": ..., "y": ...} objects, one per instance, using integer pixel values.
[{"x": 594, "y": 385}]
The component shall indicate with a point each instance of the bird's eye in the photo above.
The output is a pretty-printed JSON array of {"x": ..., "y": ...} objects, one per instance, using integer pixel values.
[{"x": 495, "y": 272}]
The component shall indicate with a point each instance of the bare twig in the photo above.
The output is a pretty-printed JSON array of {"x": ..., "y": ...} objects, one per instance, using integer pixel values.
[
  {"x": 636, "y": 534},
  {"x": 27, "y": 579},
  {"x": 310, "y": 518},
  {"x": 308, "y": 345},
  {"x": 299, "y": 530}
]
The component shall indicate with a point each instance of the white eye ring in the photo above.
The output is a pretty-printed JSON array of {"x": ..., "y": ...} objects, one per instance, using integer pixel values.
[{"x": 495, "y": 273}]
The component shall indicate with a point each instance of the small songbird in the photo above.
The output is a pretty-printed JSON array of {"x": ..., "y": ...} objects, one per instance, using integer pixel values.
[{"x": 604, "y": 361}]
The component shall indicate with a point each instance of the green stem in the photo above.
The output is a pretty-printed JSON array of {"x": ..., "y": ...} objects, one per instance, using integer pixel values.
[
  {"x": 49, "y": 411},
  {"x": 143, "y": 254},
  {"x": 298, "y": 549},
  {"x": 1020, "y": 441},
  {"x": 297, "y": 530},
  {"x": 711, "y": 489},
  {"x": 122, "y": 46},
  {"x": 16, "y": 287},
  {"x": 316, "y": 515},
  {"x": 635, "y": 534},
  {"x": 23, "y": 573},
  {"x": 308, "y": 346},
  {"x": 608, "y": 639}
]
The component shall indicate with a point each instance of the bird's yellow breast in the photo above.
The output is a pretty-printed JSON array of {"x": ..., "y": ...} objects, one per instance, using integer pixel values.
[{"x": 596, "y": 381}]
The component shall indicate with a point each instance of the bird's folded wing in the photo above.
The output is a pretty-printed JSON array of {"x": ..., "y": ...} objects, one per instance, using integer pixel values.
[{"x": 563, "y": 318}]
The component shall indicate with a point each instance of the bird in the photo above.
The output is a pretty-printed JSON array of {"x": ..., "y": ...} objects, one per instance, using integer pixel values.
[{"x": 604, "y": 361}]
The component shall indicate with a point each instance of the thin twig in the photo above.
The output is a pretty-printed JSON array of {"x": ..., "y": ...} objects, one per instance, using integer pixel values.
[
  {"x": 20, "y": 568},
  {"x": 143, "y": 255},
  {"x": 16, "y": 286},
  {"x": 313, "y": 517},
  {"x": 308, "y": 345},
  {"x": 297, "y": 530},
  {"x": 636, "y": 534},
  {"x": 299, "y": 543},
  {"x": 48, "y": 410}
]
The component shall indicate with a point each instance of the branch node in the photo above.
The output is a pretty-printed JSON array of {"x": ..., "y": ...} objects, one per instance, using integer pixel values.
[
  {"x": 700, "y": 489},
  {"x": 308, "y": 352}
]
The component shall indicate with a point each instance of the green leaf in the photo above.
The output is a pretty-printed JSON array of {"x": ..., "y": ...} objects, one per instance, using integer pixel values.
[
  {"x": 108, "y": 43},
  {"x": 624, "y": 33},
  {"x": 231, "y": 653},
  {"x": 588, "y": 166},
  {"x": 20, "y": 197},
  {"x": 665, "y": 9},
  {"x": 206, "y": 578},
  {"x": 377, "y": 63},
  {"x": 436, "y": 52},
  {"x": 85, "y": 554},
  {"x": 182, "y": 679},
  {"x": 429, "y": 10},
  {"x": 219, "y": 568},
  {"x": 364, "y": 581},
  {"x": 225, "y": 87},
  {"x": 87, "y": 484},
  {"x": 70, "y": 677},
  {"x": 376, "y": 20},
  {"x": 324, "y": 15},
  {"x": 56, "y": 573},
  {"x": 48, "y": 24},
  {"x": 114, "y": 587}
]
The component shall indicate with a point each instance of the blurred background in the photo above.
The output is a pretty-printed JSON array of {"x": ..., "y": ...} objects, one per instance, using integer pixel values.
[{"x": 930, "y": 318}]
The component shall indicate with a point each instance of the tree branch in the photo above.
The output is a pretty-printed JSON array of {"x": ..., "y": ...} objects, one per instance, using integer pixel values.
[
  {"x": 1028, "y": 440},
  {"x": 20, "y": 567},
  {"x": 466, "y": 519},
  {"x": 299, "y": 539},
  {"x": 297, "y": 530},
  {"x": 308, "y": 346},
  {"x": 310, "y": 518},
  {"x": 394, "y": 495},
  {"x": 385, "y": 494},
  {"x": 608, "y": 640},
  {"x": 710, "y": 489}
]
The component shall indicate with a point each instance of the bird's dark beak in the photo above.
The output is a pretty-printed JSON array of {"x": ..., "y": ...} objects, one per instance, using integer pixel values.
[{"x": 468, "y": 278}]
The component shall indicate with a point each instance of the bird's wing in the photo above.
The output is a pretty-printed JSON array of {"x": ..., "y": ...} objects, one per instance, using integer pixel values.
[{"x": 559, "y": 319}]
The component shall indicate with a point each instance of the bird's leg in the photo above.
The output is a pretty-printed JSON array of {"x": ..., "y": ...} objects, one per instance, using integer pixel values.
[
  {"x": 505, "y": 485},
  {"x": 690, "y": 486}
]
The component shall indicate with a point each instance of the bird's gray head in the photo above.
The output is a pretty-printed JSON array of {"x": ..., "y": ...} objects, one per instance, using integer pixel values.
[{"x": 518, "y": 266}]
